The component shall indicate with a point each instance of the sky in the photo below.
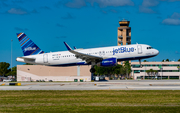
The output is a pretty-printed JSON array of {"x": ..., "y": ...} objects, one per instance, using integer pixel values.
[{"x": 89, "y": 24}]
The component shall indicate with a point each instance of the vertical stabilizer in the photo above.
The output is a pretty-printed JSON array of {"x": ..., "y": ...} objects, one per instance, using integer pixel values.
[{"x": 27, "y": 45}]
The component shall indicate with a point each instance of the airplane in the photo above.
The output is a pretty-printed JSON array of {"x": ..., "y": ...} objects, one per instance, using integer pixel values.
[{"x": 102, "y": 56}]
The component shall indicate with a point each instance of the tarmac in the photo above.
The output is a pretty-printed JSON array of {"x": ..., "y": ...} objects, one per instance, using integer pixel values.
[{"x": 101, "y": 85}]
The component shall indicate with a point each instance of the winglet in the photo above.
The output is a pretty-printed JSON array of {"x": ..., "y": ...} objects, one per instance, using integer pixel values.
[
  {"x": 68, "y": 47},
  {"x": 75, "y": 47}
]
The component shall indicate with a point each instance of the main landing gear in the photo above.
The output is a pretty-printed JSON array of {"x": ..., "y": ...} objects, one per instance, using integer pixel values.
[{"x": 92, "y": 70}]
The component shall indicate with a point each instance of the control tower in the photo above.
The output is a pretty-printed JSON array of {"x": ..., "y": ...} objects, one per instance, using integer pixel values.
[{"x": 124, "y": 33}]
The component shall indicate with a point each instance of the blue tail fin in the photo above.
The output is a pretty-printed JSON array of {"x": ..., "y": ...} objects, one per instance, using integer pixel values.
[{"x": 27, "y": 45}]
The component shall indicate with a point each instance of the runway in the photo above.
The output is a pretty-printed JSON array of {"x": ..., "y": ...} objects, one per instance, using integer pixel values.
[{"x": 105, "y": 85}]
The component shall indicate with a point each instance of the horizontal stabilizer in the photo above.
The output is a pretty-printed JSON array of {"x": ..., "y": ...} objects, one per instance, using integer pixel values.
[{"x": 27, "y": 58}]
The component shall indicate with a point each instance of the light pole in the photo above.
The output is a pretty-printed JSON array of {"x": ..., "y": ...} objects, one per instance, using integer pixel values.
[
  {"x": 179, "y": 70},
  {"x": 162, "y": 73},
  {"x": 11, "y": 55},
  {"x": 145, "y": 70},
  {"x": 161, "y": 70}
]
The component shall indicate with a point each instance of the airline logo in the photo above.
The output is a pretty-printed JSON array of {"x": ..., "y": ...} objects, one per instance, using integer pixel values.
[
  {"x": 107, "y": 61},
  {"x": 122, "y": 50},
  {"x": 30, "y": 49}
]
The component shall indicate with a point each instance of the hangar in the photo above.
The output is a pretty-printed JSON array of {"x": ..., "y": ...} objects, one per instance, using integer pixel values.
[{"x": 46, "y": 73}]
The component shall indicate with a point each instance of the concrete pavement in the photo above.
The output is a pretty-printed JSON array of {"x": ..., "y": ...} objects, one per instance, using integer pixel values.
[{"x": 102, "y": 85}]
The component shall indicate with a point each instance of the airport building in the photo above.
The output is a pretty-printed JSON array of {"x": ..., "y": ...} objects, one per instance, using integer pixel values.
[
  {"x": 165, "y": 70},
  {"x": 48, "y": 73},
  {"x": 124, "y": 33}
]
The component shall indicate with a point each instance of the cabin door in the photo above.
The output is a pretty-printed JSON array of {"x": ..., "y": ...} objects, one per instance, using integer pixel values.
[{"x": 139, "y": 48}]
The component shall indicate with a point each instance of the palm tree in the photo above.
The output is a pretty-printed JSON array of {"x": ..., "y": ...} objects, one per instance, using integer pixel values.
[
  {"x": 148, "y": 72},
  {"x": 155, "y": 71},
  {"x": 127, "y": 68},
  {"x": 152, "y": 72}
]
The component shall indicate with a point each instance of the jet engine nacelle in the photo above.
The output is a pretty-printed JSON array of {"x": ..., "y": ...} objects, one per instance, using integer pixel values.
[{"x": 108, "y": 62}]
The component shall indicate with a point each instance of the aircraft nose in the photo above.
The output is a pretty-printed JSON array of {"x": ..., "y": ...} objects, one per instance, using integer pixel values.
[{"x": 157, "y": 52}]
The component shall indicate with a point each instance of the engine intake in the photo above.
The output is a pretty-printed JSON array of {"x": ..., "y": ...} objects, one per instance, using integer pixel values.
[{"x": 108, "y": 62}]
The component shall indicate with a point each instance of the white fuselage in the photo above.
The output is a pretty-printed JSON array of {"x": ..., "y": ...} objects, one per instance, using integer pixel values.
[{"x": 66, "y": 58}]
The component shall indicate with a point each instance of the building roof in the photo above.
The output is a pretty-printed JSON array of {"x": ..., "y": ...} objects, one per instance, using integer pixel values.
[{"x": 155, "y": 63}]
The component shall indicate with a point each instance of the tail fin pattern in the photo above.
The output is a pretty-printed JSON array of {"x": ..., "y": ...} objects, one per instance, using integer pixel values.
[{"x": 27, "y": 45}]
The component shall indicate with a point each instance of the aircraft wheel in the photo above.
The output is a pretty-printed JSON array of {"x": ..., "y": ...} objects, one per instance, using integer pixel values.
[{"x": 92, "y": 70}]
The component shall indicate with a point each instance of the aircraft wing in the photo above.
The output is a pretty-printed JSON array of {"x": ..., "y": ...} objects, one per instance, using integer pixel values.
[{"x": 83, "y": 56}]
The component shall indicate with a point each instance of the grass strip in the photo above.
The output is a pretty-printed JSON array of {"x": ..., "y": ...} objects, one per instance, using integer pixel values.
[{"x": 149, "y": 101}]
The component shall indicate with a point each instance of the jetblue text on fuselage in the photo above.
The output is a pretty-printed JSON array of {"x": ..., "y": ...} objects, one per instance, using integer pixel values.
[{"x": 122, "y": 50}]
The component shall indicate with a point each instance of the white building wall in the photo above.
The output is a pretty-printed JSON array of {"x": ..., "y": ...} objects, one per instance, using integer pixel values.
[
  {"x": 144, "y": 68},
  {"x": 38, "y": 72}
]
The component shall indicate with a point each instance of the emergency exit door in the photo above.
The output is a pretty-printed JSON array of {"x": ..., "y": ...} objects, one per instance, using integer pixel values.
[{"x": 45, "y": 58}]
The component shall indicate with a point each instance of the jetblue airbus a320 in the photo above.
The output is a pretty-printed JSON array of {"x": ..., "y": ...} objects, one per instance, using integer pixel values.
[{"x": 103, "y": 56}]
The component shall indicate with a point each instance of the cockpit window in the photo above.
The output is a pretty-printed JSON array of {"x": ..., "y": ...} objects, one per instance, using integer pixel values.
[{"x": 149, "y": 47}]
